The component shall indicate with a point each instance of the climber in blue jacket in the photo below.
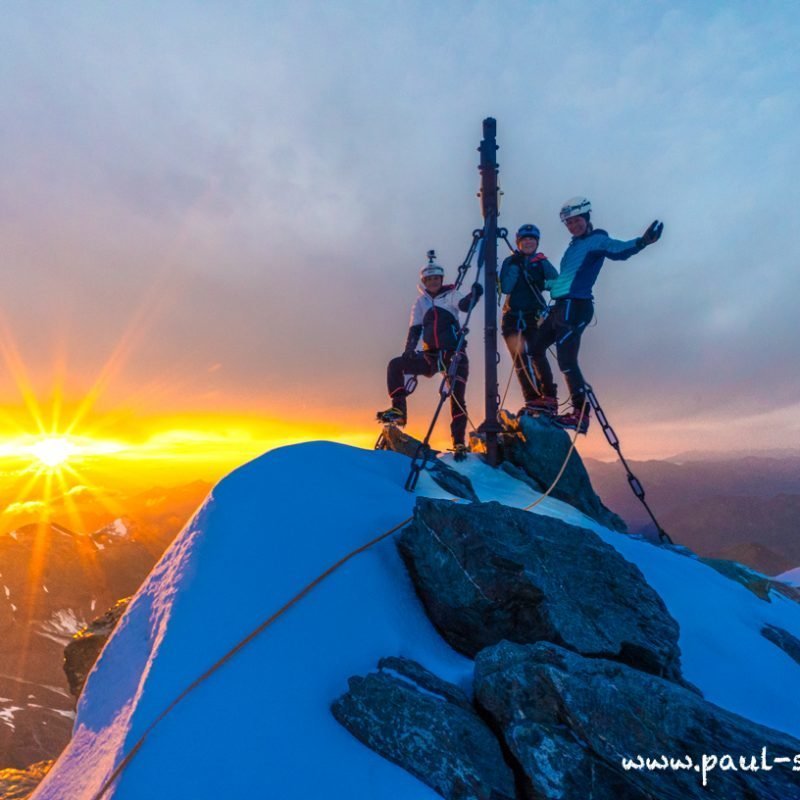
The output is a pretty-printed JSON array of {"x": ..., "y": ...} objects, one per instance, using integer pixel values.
[{"x": 574, "y": 307}]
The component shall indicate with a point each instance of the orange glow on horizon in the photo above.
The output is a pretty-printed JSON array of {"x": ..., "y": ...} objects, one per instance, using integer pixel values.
[
  {"x": 54, "y": 450},
  {"x": 194, "y": 441},
  {"x": 44, "y": 479}
]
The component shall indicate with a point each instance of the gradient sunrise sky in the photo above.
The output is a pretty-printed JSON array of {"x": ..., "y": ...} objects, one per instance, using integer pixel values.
[{"x": 213, "y": 214}]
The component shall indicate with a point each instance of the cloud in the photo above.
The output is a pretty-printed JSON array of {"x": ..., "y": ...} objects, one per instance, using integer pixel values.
[
  {"x": 27, "y": 507},
  {"x": 276, "y": 184},
  {"x": 80, "y": 489}
]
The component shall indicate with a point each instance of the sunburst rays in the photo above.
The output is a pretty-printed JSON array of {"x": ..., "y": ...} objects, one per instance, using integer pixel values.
[{"x": 48, "y": 455}]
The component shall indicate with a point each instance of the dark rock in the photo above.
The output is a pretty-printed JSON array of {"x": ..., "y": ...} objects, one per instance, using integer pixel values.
[
  {"x": 449, "y": 479},
  {"x": 425, "y": 679},
  {"x": 477, "y": 443},
  {"x": 779, "y": 587},
  {"x": 570, "y": 721},
  {"x": 41, "y": 722},
  {"x": 487, "y": 572},
  {"x": 399, "y": 441},
  {"x": 422, "y": 723},
  {"x": 81, "y": 653},
  {"x": 753, "y": 581},
  {"x": 539, "y": 449},
  {"x": 783, "y": 639},
  {"x": 74, "y": 580},
  {"x": 18, "y": 784},
  {"x": 760, "y": 585},
  {"x": 519, "y": 474}
]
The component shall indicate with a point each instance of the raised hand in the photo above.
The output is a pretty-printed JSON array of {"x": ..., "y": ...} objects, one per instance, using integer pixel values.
[{"x": 652, "y": 234}]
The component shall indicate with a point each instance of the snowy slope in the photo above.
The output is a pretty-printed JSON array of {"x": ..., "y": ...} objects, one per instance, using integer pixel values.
[{"x": 261, "y": 726}]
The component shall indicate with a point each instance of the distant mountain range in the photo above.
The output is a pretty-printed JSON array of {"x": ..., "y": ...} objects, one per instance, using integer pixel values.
[
  {"x": 698, "y": 664},
  {"x": 733, "y": 455},
  {"x": 53, "y": 581},
  {"x": 742, "y": 508},
  {"x": 88, "y": 510}
]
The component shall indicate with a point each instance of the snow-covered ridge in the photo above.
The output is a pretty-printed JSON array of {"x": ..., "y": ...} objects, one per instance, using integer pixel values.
[
  {"x": 265, "y": 532},
  {"x": 792, "y": 577}
]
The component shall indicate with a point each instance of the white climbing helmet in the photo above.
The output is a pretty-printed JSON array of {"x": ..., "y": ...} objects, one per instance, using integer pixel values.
[
  {"x": 431, "y": 270},
  {"x": 574, "y": 207}
]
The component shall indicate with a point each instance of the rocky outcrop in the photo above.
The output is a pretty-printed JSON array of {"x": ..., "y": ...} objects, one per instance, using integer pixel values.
[
  {"x": 428, "y": 727},
  {"x": 570, "y": 721},
  {"x": 487, "y": 572},
  {"x": 449, "y": 479},
  {"x": 18, "y": 784},
  {"x": 539, "y": 449},
  {"x": 760, "y": 585},
  {"x": 81, "y": 653},
  {"x": 53, "y": 581},
  {"x": 783, "y": 639}
]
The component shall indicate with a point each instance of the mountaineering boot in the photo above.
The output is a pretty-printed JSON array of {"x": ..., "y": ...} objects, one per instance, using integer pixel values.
[
  {"x": 392, "y": 416},
  {"x": 570, "y": 421},
  {"x": 460, "y": 452},
  {"x": 546, "y": 406}
]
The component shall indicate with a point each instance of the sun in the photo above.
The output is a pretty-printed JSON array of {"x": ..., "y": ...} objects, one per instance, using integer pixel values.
[{"x": 53, "y": 451}]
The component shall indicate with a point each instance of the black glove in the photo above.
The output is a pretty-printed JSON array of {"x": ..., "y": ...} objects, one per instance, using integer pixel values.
[
  {"x": 477, "y": 291},
  {"x": 652, "y": 234}
]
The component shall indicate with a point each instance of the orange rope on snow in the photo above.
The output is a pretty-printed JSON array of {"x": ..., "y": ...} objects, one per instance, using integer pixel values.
[{"x": 566, "y": 460}]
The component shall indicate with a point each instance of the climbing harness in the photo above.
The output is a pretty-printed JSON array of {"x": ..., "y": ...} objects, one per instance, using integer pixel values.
[{"x": 613, "y": 440}]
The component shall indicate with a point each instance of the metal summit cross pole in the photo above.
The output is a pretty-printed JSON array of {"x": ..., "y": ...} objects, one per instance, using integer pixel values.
[{"x": 490, "y": 427}]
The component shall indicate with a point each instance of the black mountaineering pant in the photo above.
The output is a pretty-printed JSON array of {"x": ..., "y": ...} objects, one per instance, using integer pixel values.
[
  {"x": 520, "y": 331},
  {"x": 563, "y": 327},
  {"x": 428, "y": 363}
]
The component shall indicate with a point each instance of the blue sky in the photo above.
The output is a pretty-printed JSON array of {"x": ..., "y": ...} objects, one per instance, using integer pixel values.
[{"x": 247, "y": 191}]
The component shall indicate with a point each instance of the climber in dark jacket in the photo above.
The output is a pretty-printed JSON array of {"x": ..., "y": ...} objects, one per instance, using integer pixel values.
[
  {"x": 524, "y": 277},
  {"x": 435, "y": 319}
]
